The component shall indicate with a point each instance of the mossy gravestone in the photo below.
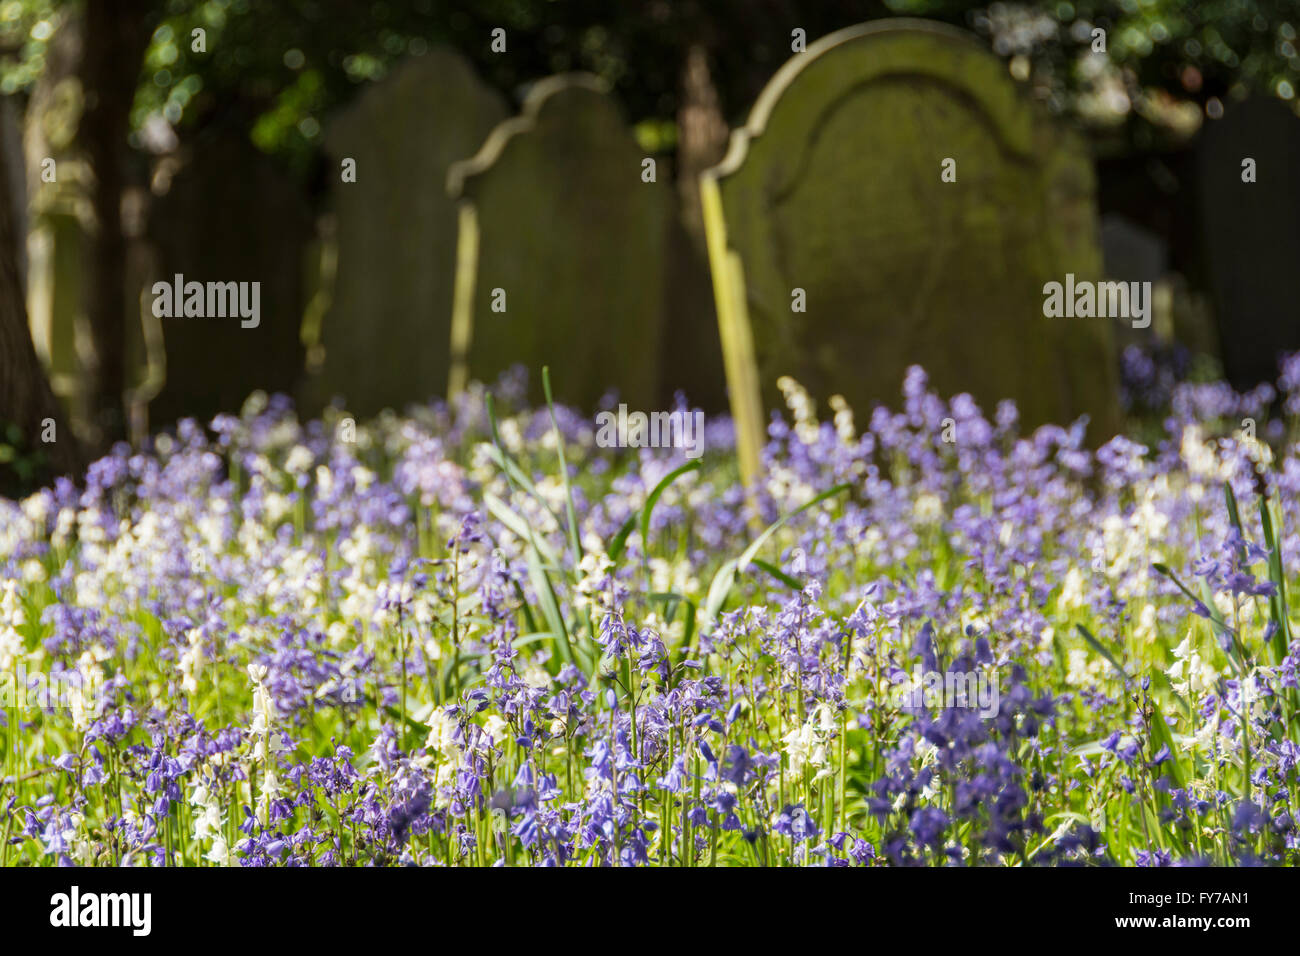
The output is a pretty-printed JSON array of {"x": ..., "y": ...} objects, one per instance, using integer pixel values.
[
  {"x": 59, "y": 184},
  {"x": 230, "y": 215},
  {"x": 387, "y": 328},
  {"x": 836, "y": 187},
  {"x": 562, "y": 253},
  {"x": 1251, "y": 234}
]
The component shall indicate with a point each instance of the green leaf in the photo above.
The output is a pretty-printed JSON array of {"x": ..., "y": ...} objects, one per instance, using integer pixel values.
[
  {"x": 545, "y": 592},
  {"x": 619, "y": 541},
  {"x": 515, "y": 473},
  {"x": 1093, "y": 747},
  {"x": 537, "y": 551},
  {"x": 1277, "y": 604},
  {"x": 648, "y": 509},
  {"x": 569, "y": 510},
  {"x": 671, "y": 601},
  {"x": 688, "y": 635},
  {"x": 1101, "y": 649},
  {"x": 1160, "y": 730},
  {"x": 1214, "y": 618},
  {"x": 719, "y": 589},
  {"x": 396, "y": 716},
  {"x": 521, "y": 528},
  {"x": 523, "y": 603},
  {"x": 753, "y": 549},
  {"x": 523, "y": 640},
  {"x": 787, "y": 580},
  {"x": 726, "y": 575},
  {"x": 1234, "y": 516}
]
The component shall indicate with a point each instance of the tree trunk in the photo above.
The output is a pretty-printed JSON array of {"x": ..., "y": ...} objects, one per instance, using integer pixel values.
[
  {"x": 116, "y": 36},
  {"x": 26, "y": 399},
  {"x": 701, "y": 136}
]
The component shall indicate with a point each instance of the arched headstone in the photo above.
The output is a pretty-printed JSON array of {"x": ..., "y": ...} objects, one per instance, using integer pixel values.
[
  {"x": 836, "y": 187},
  {"x": 386, "y": 329},
  {"x": 562, "y": 259}
]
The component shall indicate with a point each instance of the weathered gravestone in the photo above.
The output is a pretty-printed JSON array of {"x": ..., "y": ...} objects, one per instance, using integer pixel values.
[
  {"x": 58, "y": 186},
  {"x": 834, "y": 187},
  {"x": 57, "y": 253},
  {"x": 230, "y": 215},
  {"x": 386, "y": 330},
  {"x": 1251, "y": 234},
  {"x": 562, "y": 258},
  {"x": 1132, "y": 253}
]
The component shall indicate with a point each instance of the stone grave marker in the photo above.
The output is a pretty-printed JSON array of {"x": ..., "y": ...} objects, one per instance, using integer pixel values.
[
  {"x": 386, "y": 329},
  {"x": 1132, "y": 253},
  {"x": 835, "y": 187},
  {"x": 563, "y": 250}
]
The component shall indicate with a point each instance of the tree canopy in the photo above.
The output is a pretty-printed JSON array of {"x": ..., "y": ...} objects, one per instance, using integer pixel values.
[{"x": 288, "y": 64}]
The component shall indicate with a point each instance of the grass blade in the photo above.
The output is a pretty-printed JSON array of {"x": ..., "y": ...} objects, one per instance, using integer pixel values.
[
  {"x": 1101, "y": 649},
  {"x": 648, "y": 509},
  {"x": 569, "y": 510},
  {"x": 726, "y": 575}
]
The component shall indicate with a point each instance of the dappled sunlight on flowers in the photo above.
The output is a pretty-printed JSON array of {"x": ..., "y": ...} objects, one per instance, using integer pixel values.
[{"x": 923, "y": 638}]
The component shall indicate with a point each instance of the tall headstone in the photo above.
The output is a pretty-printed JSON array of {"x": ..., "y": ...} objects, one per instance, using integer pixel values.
[
  {"x": 229, "y": 215},
  {"x": 386, "y": 329},
  {"x": 896, "y": 185},
  {"x": 1251, "y": 234},
  {"x": 563, "y": 250},
  {"x": 59, "y": 181}
]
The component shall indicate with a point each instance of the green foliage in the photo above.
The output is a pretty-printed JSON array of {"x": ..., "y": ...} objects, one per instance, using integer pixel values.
[
  {"x": 290, "y": 63},
  {"x": 22, "y": 467},
  {"x": 26, "y": 27}
]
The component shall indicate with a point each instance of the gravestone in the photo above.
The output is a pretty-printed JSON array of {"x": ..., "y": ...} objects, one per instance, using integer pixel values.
[
  {"x": 230, "y": 214},
  {"x": 1251, "y": 235},
  {"x": 57, "y": 254},
  {"x": 690, "y": 360},
  {"x": 386, "y": 329},
  {"x": 1132, "y": 253},
  {"x": 558, "y": 226},
  {"x": 59, "y": 218},
  {"x": 834, "y": 187}
]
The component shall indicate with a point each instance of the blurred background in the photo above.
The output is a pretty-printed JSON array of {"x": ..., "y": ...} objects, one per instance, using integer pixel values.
[{"x": 148, "y": 138}]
